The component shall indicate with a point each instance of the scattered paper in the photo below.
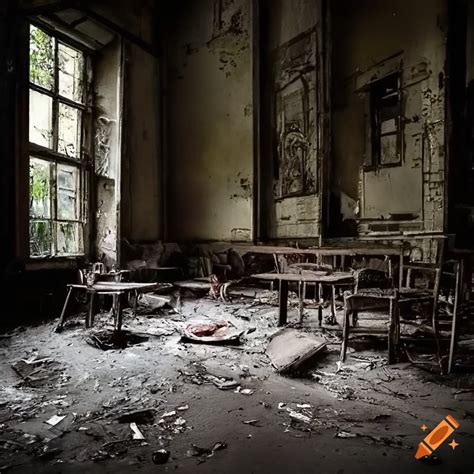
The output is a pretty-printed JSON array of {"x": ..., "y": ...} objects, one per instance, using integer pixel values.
[
  {"x": 54, "y": 420},
  {"x": 137, "y": 434}
]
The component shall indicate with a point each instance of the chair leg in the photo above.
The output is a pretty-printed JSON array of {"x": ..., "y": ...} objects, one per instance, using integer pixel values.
[
  {"x": 355, "y": 316},
  {"x": 452, "y": 342},
  {"x": 333, "y": 302},
  {"x": 345, "y": 335},
  {"x": 63, "y": 312}
]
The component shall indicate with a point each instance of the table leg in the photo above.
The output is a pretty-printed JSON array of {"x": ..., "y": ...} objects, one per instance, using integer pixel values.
[
  {"x": 345, "y": 333},
  {"x": 300, "y": 300},
  {"x": 394, "y": 331},
  {"x": 135, "y": 303},
  {"x": 333, "y": 302},
  {"x": 90, "y": 318},
  {"x": 63, "y": 312},
  {"x": 118, "y": 313},
  {"x": 400, "y": 272},
  {"x": 283, "y": 303}
]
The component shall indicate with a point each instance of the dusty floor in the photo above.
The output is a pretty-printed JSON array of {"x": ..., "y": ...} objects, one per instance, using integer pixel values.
[{"x": 365, "y": 418}]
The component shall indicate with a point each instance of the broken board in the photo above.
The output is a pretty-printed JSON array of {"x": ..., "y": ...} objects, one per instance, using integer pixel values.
[{"x": 289, "y": 349}]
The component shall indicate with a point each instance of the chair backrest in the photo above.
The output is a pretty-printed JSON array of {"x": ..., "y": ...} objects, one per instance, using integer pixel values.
[
  {"x": 314, "y": 267},
  {"x": 422, "y": 277},
  {"x": 372, "y": 278},
  {"x": 450, "y": 281}
]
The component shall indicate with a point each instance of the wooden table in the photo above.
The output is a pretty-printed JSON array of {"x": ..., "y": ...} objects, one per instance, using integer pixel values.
[
  {"x": 305, "y": 277},
  {"x": 111, "y": 288},
  {"x": 353, "y": 249}
]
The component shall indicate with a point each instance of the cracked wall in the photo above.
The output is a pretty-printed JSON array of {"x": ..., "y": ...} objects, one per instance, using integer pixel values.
[{"x": 374, "y": 39}]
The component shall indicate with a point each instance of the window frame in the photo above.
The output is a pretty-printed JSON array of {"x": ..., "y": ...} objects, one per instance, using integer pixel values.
[
  {"x": 376, "y": 134},
  {"x": 82, "y": 162}
]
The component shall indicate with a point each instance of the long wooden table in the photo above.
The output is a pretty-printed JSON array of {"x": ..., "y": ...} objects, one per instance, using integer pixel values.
[
  {"x": 349, "y": 250},
  {"x": 305, "y": 277},
  {"x": 111, "y": 288}
]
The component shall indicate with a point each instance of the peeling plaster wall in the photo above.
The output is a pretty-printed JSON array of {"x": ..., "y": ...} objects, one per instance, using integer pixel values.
[
  {"x": 141, "y": 177},
  {"x": 297, "y": 216},
  {"x": 107, "y": 150},
  {"x": 209, "y": 122},
  {"x": 367, "y": 37}
]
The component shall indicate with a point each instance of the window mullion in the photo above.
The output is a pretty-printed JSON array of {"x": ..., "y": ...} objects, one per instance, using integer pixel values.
[
  {"x": 54, "y": 200},
  {"x": 55, "y": 99}
]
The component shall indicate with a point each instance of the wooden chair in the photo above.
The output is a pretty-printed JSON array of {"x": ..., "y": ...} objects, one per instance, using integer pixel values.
[
  {"x": 448, "y": 320},
  {"x": 374, "y": 292},
  {"x": 420, "y": 285}
]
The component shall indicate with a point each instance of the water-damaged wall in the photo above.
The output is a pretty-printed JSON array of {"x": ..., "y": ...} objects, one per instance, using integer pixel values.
[
  {"x": 292, "y": 161},
  {"x": 372, "y": 39},
  {"x": 209, "y": 124},
  {"x": 107, "y": 155}
]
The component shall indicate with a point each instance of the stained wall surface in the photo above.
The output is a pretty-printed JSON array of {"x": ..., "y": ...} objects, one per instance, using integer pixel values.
[
  {"x": 294, "y": 154},
  {"x": 370, "y": 39},
  {"x": 209, "y": 123}
]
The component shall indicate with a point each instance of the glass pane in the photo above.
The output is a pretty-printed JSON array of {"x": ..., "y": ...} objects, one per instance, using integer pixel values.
[
  {"x": 389, "y": 150},
  {"x": 71, "y": 69},
  {"x": 41, "y": 119},
  {"x": 41, "y": 58},
  {"x": 68, "y": 238},
  {"x": 40, "y": 188},
  {"x": 69, "y": 131},
  {"x": 67, "y": 191},
  {"x": 40, "y": 238}
]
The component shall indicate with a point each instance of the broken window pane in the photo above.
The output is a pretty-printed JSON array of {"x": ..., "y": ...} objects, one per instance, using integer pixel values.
[
  {"x": 40, "y": 188},
  {"x": 41, "y": 119},
  {"x": 69, "y": 130},
  {"x": 68, "y": 238},
  {"x": 67, "y": 192},
  {"x": 40, "y": 238},
  {"x": 41, "y": 58},
  {"x": 71, "y": 69}
]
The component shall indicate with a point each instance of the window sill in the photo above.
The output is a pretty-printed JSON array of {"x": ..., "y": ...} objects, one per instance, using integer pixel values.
[
  {"x": 58, "y": 263},
  {"x": 380, "y": 167}
]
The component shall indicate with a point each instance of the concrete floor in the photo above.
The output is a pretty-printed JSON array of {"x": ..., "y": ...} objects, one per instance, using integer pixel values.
[{"x": 365, "y": 418}]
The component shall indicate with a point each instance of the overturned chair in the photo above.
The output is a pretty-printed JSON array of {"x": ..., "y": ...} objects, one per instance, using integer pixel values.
[{"x": 375, "y": 294}]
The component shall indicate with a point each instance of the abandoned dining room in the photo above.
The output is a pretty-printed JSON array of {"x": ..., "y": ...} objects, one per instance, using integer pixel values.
[{"x": 237, "y": 236}]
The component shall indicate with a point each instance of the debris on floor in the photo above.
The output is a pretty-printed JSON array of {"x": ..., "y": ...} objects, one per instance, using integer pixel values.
[
  {"x": 38, "y": 371},
  {"x": 289, "y": 349},
  {"x": 160, "y": 456},
  {"x": 206, "y": 452},
  {"x": 216, "y": 332},
  {"x": 108, "y": 340},
  {"x": 138, "y": 405}
]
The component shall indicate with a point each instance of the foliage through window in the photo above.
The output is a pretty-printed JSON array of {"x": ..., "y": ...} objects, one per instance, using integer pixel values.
[{"x": 56, "y": 167}]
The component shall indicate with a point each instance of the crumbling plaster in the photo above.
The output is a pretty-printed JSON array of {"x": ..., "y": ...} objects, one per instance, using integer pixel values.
[
  {"x": 298, "y": 216},
  {"x": 367, "y": 35}
]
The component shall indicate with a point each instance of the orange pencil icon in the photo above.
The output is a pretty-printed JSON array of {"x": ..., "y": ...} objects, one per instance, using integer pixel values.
[{"x": 437, "y": 437}]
